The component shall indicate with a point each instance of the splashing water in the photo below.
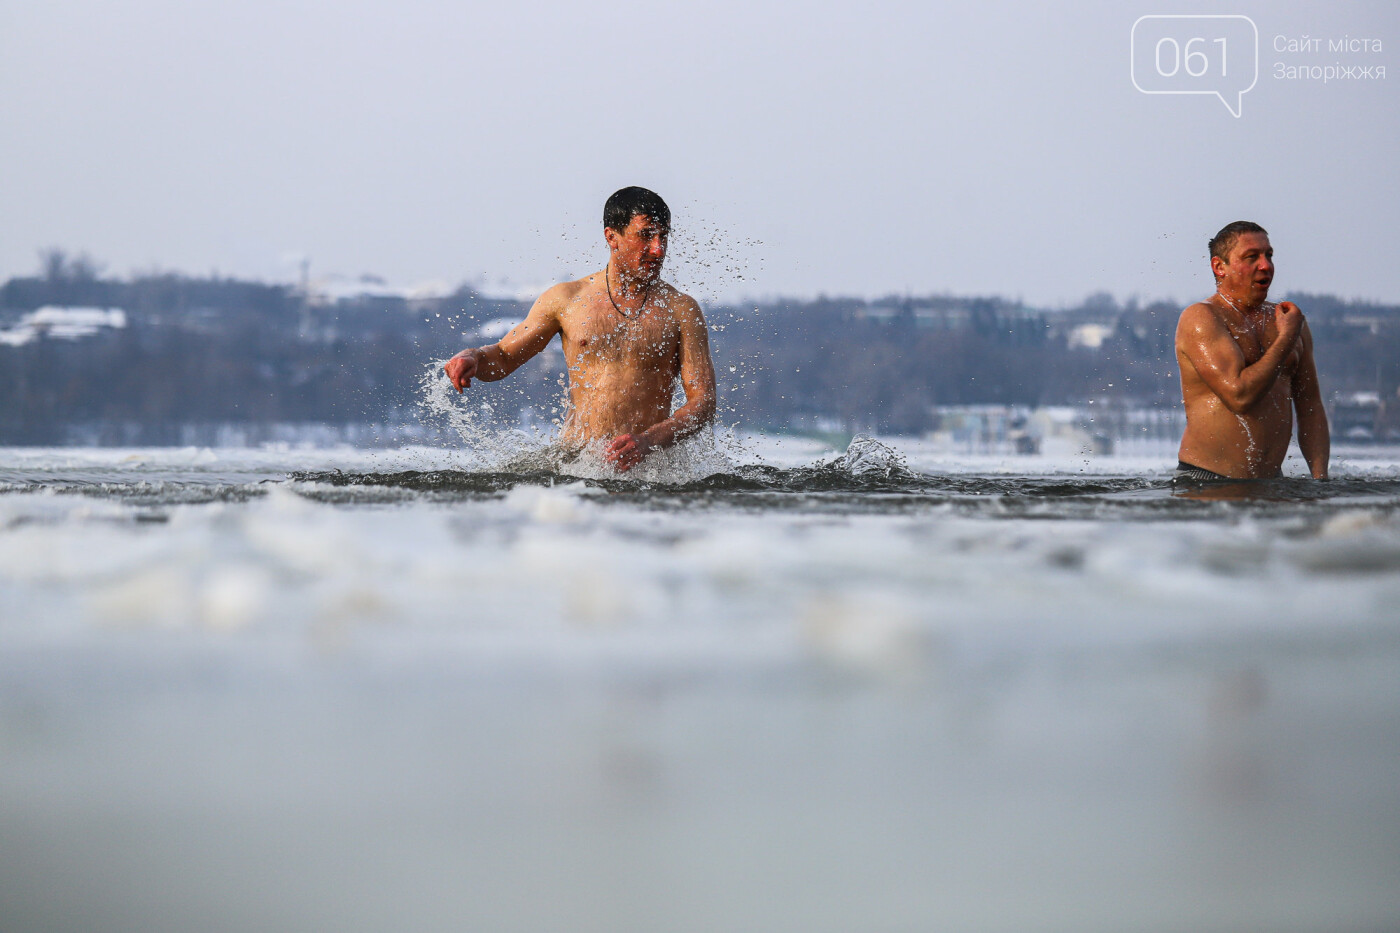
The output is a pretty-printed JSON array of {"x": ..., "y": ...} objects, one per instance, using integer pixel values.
[
  {"x": 708, "y": 259},
  {"x": 488, "y": 440},
  {"x": 868, "y": 458},
  {"x": 1252, "y": 453},
  {"x": 492, "y": 443}
]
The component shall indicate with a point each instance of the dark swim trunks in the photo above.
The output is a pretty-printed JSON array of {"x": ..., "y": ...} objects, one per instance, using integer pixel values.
[{"x": 1186, "y": 473}]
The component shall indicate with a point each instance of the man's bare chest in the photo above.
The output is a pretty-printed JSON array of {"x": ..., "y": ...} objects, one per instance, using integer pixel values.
[
  {"x": 1255, "y": 341},
  {"x": 602, "y": 336}
]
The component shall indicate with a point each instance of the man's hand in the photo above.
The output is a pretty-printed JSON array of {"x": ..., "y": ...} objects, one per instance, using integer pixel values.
[
  {"x": 460, "y": 369},
  {"x": 627, "y": 450},
  {"x": 1289, "y": 320}
]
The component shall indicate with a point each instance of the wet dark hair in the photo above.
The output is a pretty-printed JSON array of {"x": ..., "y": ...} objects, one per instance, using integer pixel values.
[
  {"x": 1224, "y": 241},
  {"x": 627, "y": 203}
]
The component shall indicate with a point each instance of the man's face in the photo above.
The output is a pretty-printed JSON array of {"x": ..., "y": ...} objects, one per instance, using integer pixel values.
[
  {"x": 1250, "y": 269},
  {"x": 640, "y": 249}
]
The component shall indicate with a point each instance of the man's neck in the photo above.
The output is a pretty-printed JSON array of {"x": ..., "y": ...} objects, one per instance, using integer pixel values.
[
  {"x": 625, "y": 285},
  {"x": 1245, "y": 304}
]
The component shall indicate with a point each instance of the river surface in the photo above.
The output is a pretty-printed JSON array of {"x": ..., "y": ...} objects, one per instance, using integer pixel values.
[{"x": 894, "y": 689}]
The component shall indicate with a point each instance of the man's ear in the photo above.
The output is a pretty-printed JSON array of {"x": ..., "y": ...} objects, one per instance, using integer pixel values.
[
  {"x": 1218, "y": 266},
  {"x": 610, "y": 236}
]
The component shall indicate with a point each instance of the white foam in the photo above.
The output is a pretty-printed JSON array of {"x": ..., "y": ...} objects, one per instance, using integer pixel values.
[{"x": 549, "y": 559}]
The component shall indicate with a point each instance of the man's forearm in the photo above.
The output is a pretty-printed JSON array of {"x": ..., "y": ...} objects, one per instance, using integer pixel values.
[
  {"x": 1257, "y": 379},
  {"x": 685, "y": 421},
  {"x": 1315, "y": 441},
  {"x": 491, "y": 363}
]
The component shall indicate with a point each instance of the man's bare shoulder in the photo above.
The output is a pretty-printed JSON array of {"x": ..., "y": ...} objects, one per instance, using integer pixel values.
[
  {"x": 1201, "y": 317},
  {"x": 561, "y": 295},
  {"x": 556, "y": 300},
  {"x": 680, "y": 304}
]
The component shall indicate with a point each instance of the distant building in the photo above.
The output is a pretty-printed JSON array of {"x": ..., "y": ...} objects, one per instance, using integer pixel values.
[
  {"x": 55, "y": 323},
  {"x": 1356, "y": 416},
  {"x": 329, "y": 290},
  {"x": 1091, "y": 336}
]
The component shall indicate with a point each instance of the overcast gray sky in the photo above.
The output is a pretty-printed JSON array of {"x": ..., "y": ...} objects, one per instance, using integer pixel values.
[{"x": 846, "y": 148}]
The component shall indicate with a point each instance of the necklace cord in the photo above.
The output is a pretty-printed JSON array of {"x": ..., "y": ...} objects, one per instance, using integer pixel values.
[{"x": 626, "y": 317}]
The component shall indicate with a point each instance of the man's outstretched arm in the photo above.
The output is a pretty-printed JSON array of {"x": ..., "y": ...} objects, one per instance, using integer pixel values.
[
  {"x": 1219, "y": 362},
  {"x": 1314, "y": 436},
  {"x": 525, "y": 340},
  {"x": 697, "y": 373}
]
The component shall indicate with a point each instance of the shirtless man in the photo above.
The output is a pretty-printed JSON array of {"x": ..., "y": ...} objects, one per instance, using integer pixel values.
[
  {"x": 627, "y": 337},
  {"x": 1246, "y": 365}
]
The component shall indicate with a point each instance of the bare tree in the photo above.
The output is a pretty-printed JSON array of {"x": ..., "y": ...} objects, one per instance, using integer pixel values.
[{"x": 55, "y": 265}]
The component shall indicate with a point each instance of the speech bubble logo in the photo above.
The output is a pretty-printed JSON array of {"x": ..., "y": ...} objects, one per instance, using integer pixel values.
[{"x": 1173, "y": 53}]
